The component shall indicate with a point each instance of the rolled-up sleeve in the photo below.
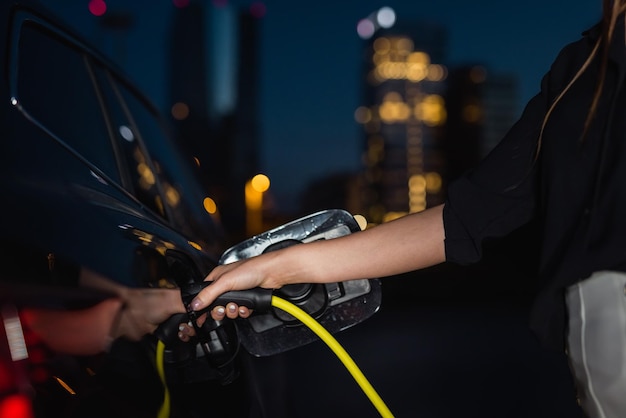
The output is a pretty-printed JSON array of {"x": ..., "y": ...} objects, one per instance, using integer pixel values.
[
  {"x": 500, "y": 194},
  {"x": 472, "y": 214}
]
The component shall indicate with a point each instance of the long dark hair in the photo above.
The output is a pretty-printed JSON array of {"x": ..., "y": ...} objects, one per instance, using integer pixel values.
[{"x": 611, "y": 9}]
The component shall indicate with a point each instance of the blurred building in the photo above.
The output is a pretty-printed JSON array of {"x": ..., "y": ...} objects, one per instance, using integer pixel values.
[
  {"x": 336, "y": 191},
  {"x": 424, "y": 123},
  {"x": 189, "y": 89},
  {"x": 402, "y": 115},
  {"x": 481, "y": 108},
  {"x": 500, "y": 99},
  {"x": 214, "y": 70}
]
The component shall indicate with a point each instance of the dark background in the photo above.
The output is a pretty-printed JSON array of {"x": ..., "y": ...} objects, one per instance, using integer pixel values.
[
  {"x": 447, "y": 341},
  {"x": 310, "y": 57}
]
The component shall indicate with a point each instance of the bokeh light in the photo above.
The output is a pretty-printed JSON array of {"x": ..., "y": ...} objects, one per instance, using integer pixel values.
[
  {"x": 16, "y": 406},
  {"x": 126, "y": 133},
  {"x": 180, "y": 111},
  {"x": 361, "y": 220},
  {"x": 209, "y": 205},
  {"x": 260, "y": 183},
  {"x": 362, "y": 115},
  {"x": 365, "y": 28},
  {"x": 97, "y": 7},
  {"x": 386, "y": 17}
]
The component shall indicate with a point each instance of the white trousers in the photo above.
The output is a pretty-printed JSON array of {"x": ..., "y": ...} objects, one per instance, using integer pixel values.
[{"x": 596, "y": 343}]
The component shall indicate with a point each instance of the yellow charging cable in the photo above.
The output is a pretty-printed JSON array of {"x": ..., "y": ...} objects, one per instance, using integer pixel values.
[
  {"x": 345, "y": 358},
  {"x": 321, "y": 332},
  {"x": 164, "y": 412}
]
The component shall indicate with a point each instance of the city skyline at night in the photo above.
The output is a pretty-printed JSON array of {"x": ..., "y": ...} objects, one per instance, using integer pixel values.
[{"x": 310, "y": 63}]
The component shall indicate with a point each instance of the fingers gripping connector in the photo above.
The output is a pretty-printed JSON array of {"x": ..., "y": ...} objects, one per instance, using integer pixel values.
[{"x": 258, "y": 299}]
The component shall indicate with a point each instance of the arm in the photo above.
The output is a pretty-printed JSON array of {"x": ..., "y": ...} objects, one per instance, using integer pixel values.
[
  {"x": 142, "y": 310},
  {"x": 413, "y": 242},
  {"x": 132, "y": 313},
  {"x": 75, "y": 332}
]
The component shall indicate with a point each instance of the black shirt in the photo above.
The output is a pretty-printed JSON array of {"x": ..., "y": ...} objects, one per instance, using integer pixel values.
[{"x": 575, "y": 187}]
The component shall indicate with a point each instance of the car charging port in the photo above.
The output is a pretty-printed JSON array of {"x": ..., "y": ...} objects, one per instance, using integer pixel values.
[
  {"x": 296, "y": 292},
  {"x": 337, "y": 306},
  {"x": 311, "y": 298}
]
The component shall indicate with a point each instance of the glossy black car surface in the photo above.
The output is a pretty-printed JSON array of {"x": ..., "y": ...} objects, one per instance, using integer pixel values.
[
  {"x": 91, "y": 179},
  {"x": 86, "y": 159}
]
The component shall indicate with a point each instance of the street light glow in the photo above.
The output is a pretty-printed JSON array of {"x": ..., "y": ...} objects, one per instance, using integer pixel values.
[
  {"x": 254, "y": 189},
  {"x": 209, "y": 205},
  {"x": 260, "y": 183}
]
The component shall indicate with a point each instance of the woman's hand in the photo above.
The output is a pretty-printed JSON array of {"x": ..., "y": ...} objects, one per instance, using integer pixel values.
[
  {"x": 225, "y": 278},
  {"x": 409, "y": 243},
  {"x": 241, "y": 275},
  {"x": 232, "y": 311}
]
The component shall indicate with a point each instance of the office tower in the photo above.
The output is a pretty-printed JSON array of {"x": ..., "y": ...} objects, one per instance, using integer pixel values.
[
  {"x": 214, "y": 94},
  {"x": 501, "y": 102},
  {"x": 402, "y": 115},
  {"x": 481, "y": 108}
]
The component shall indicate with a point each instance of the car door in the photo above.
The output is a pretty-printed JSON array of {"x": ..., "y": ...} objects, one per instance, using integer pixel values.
[{"x": 80, "y": 179}]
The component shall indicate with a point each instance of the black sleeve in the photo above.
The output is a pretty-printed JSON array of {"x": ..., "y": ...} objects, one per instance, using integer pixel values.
[{"x": 500, "y": 194}]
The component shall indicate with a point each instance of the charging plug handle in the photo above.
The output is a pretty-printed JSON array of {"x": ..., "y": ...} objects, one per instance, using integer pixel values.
[{"x": 258, "y": 298}]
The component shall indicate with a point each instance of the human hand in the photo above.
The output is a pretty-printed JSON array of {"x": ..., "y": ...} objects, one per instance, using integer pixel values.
[
  {"x": 132, "y": 314},
  {"x": 241, "y": 275},
  {"x": 218, "y": 313},
  {"x": 142, "y": 310}
]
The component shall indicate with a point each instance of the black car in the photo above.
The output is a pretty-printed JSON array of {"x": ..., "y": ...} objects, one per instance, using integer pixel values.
[{"x": 90, "y": 178}]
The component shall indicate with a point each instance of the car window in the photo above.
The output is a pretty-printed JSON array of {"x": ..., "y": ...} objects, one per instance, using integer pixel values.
[
  {"x": 54, "y": 87},
  {"x": 141, "y": 174},
  {"x": 182, "y": 200},
  {"x": 180, "y": 196}
]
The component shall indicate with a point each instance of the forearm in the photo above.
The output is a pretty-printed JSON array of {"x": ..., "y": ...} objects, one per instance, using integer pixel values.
[
  {"x": 413, "y": 242},
  {"x": 144, "y": 308},
  {"x": 409, "y": 243},
  {"x": 81, "y": 332}
]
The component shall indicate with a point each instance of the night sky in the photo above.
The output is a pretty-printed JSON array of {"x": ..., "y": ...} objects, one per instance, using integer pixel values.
[{"x": 311, "y": 59}]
